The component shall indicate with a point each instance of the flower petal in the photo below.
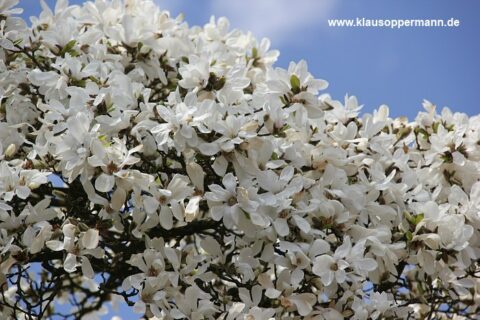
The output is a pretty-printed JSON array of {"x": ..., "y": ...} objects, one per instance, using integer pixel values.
[
  {"x": 54, "y": 245},
  {"x": 139, "y": 307},
  {"x": 281, "y": 226},
  {"x": 104, "y": 182},
  {"x": 90, "y": 239},
  {"x": 70, "y": 263},
  {"x": 87, "y": 269}
]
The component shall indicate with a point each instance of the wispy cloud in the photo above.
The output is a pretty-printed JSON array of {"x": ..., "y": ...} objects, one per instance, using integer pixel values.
[
  {"x": 174, "y": 6},
  {"x": 279, "y": 20}
]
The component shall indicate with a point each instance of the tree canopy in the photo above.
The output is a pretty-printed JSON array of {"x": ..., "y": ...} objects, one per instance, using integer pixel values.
[{"x": 176, "y": 170}]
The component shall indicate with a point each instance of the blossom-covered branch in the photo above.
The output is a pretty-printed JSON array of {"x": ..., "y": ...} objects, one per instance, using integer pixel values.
[{"x": 176, "y": 170}]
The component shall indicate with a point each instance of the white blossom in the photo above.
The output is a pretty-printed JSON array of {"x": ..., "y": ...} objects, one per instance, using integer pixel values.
[{"x": 178, "y": 170}]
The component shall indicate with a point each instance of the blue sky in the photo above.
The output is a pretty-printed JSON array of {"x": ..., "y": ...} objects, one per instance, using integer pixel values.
[{"x": 397, "y": 67}]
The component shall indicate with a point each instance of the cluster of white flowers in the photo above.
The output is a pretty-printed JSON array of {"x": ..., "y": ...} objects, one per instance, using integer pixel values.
[{"x": 201, "y": 182}]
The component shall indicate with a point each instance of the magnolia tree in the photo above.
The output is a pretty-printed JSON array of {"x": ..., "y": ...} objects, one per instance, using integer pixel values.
[{"x": 173, "y": 169}]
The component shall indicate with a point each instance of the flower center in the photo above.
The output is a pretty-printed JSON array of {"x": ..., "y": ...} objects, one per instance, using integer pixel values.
[
  {"x": 334, "y": 266},
  {"x": 163, "y": 200},
  {"x": 152, "y": 272},
  {"x": 232, "y": 201}
]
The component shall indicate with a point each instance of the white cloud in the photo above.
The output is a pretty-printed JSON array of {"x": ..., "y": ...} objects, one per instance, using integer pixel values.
[
  {"x": 279, "y": 20},
  {"x": 172, "y": 6}
]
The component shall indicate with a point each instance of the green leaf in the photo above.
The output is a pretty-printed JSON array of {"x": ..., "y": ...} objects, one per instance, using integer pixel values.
[
  {"x": 409, "y": 235},
  {"x": 435, "y": 127},
  {"x": 403, "y": 133},
  {"x": 78, "y": 82},
  {"x": 409, "y": 217},
  {"x": 254, "y": 53},
  {"x": 419, "y": 218},
  {"x": 295, "y": 83},
  {"x": 414, "y": 220},
  {"x": 219, "y": 84},
  {"x": 104, "y": 139},
  {"x": 450, "y": 127},
  {"x": 68, "y": 47},
  {"x": 423, "y": 132}
]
